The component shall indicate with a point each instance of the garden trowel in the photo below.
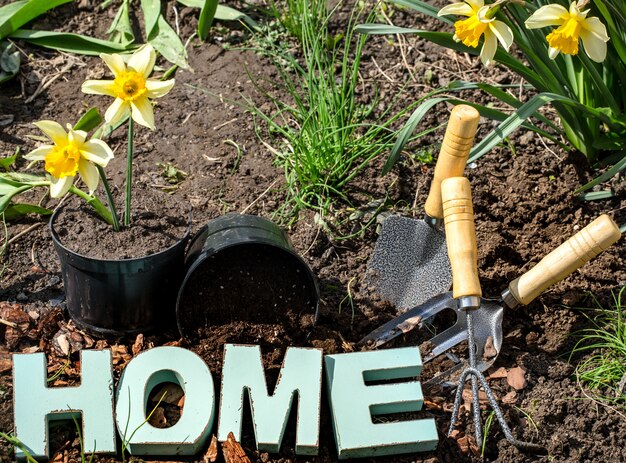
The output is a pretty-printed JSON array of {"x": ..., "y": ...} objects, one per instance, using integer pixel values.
[
  {"x": 410, "y": 263},
  {"x": 556, "y": 266}
]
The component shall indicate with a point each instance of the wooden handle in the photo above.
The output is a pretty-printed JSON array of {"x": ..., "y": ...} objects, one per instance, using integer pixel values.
[
  {"x": 458, "y": 215},
  {"x": 453, "y": 155},
  {"x": 564, "y": 260}
]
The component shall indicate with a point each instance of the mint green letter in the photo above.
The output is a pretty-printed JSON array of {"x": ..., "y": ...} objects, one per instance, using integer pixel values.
[
  {"x": 140, "y": 377},
  {"x": 353, "y": 403},
  {"x": 301, "y": 375},
  {"x": 35, "y": 405}
]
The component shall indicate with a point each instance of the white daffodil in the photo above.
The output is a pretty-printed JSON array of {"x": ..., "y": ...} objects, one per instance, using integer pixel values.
[
  {"x": 479, "y": 22},
  {"x": 70, "y": 154},
  {"x": 131, "y": 87},
  {"x": 573, "y": 24}
]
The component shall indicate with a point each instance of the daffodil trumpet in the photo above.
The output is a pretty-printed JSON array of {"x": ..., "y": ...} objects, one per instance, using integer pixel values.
[{"x": 133, "y": 91}]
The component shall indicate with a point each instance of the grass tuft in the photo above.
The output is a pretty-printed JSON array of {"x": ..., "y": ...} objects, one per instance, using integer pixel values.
[{"x": 603, "y": 370}]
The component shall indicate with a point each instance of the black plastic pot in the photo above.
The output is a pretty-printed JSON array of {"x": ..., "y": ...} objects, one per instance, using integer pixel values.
[
  {"x": 244, "y": 268},
  {"x": 121, "y": 297}
]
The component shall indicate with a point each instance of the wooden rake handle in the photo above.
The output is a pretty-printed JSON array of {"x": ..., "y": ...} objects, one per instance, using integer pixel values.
[
  {"x": 453, "y": 155},
  {"x": 566, "y": 259},
  {"x": 458, "y": 215}
]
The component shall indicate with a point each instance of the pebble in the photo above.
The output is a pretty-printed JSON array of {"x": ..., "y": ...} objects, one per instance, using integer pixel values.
[{"x": 22, "y": 297}]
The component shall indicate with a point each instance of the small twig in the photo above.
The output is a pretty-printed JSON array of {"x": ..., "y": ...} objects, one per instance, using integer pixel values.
[
  {"x": 224, "y": 124},
  {"x": 176, "y": 20},
  {"x": 24, "y": 232},
  {"x": 259, "y": 197},
  {"x": 45, "y": 83},
  {"x": 8, "y": 323},
  {"x": 383, "y": 72}
]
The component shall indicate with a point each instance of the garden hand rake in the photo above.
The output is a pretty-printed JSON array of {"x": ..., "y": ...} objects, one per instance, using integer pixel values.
[{"x": 462, "y": 250}]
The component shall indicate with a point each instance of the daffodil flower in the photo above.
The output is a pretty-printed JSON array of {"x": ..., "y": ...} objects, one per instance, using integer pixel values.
[
  {"x": 131, "y": 87},
  {"x": 573, "y": 24},
  {"x": 479, "y": 22},
  {"x": 70, "y": 154}
]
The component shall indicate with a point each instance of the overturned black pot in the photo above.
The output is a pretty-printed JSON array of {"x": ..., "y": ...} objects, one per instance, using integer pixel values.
[
  {"x": 243, "y": 268},
  {"x": 121, "y": 297}
]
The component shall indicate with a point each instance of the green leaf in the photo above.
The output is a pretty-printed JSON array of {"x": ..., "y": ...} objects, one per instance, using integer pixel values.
[
  {"x": 226, "y": 13},
  {"x": 20, "y": 178},
  {"x": 424, "y": 8},
  {"x": 166, "y": 42},
  {"x": 11, "y": 19},
  {"x": 121, "y": 30},
  {"x": 614, "y": 170},
  {"x": 89, "y": 121},
  {"x": 9, "y": 61},
  {"x": 14, "y": 211},
  {"x": 7, "y": 162},
  {"x": 71, "y": 43},
  {"x": 597, "y": 195},
  {"x": 207, "y": 13},
  {"x": 151, "y": 13},
  {"x": 5, "y": 199}
]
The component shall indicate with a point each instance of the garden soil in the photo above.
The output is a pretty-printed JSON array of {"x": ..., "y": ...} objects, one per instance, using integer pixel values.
[{"x": 524, "y": 203}]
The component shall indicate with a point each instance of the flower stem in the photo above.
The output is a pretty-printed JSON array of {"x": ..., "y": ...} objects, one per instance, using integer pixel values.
[
  {"x": 129, "y": 172},
  {"x": 107, "y": 190},
  {"x": 94, "y": 202}
]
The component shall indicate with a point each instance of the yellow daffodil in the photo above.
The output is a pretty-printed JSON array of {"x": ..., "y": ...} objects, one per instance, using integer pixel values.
[
  {"x": 479, "y": 22},
  {"x": 572, "y": 25},
  {"x": 70, "y": 154},
  {"x": 131, "y": 87}
]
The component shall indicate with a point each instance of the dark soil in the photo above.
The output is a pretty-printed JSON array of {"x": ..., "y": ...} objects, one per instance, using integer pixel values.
[
  {"x": 524, "y": 206},
  {"x": 158, "y": 222}
]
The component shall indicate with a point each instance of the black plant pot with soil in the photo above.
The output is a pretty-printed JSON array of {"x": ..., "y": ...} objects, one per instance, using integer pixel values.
[{"x": 116, "y": 297}]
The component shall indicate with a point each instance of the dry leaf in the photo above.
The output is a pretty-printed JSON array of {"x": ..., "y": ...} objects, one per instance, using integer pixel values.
[
  {"x": 212, "y": 452},
  {"x": 516, "y": 377},
  {"x": 489, "y": 351},
  {"x": 5, "y": 362},
  {"x": 171, "y": 393},
  {"x": 510, "y": 398},
  {"x": 157, "y": 418},
  {"x": 233, "y": 452},
  {"x": 138, "y": 345},
  {"x": 498, "y": 374}
]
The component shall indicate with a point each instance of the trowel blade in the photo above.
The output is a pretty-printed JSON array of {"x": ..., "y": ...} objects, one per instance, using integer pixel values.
[{"x": 410, "y": 263}]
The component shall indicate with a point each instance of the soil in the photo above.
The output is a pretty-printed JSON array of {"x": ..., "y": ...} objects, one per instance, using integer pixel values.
[
  {"x": 524, "y": 204},
  {"x": 158, "y": 222}
]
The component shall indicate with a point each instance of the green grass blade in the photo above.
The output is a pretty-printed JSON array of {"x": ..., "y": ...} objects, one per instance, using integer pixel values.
[
  {"x": 11, "y": 19},
  {"x": 207, "y": 13},
  {"x": 226, "y": 13},
  {"x": 71, "y": 43},
  {"x": 15, "y": 211}
]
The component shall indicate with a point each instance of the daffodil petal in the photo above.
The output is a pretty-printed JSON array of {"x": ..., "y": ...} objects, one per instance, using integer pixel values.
[
  {"x": 503, "y": 34},
  {"x": 142, "y": 112},
  {"x": 54, "y": 131},
  {"x": 548, "y": 15},
  {"x": 475, "y": 4},
  {"x": 60, "y": 186},
  {"x": 115, "y": 63},
  {"x": 158, "y": 88},
  {"x": 97, "y": 151},
  {"x": 77, "y": 136},
  {"x": 98, "y": 87},
  {"x": 39, "y": 153},
  {"x": 143, "y": 60},
  {"x": 489, "y": 48},
  {"x": 460, "y": 9},
  {"x": 594, "y": 46},
  {"x": 115, "y": 113},
  {"x": 596, "y": 27},
  {"x": 89, "y": 173},
  {"x": 553, "y": 52}
]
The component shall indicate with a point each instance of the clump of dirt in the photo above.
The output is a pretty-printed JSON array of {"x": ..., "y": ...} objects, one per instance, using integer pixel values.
[{"x": 158, "y": 222}]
